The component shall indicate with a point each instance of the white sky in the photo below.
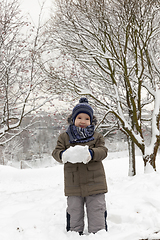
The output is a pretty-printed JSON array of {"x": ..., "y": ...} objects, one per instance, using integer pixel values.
[{"x": 33, "y": 7}]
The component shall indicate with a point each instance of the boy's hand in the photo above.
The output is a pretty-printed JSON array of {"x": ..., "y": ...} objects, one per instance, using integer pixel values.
[{"x": 77, "y": 154}]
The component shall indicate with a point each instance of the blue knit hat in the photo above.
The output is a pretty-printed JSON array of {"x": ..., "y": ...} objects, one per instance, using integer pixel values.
[{"x": 82, "y": 107}]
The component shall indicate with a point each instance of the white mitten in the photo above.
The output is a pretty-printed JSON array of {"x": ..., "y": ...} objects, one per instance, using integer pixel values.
[{"x": 76, "y": 154}]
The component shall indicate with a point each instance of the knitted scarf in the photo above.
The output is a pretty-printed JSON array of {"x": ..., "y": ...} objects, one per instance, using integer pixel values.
[{"x": 80, "y": 135}]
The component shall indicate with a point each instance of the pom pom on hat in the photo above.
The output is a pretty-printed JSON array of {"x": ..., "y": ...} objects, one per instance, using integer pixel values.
[
  {"x": 83, "y": 100},
  {"x": 82, "y": 107}
]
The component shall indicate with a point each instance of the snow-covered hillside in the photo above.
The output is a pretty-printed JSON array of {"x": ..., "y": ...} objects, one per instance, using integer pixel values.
[{"x": 33, "y": 204}]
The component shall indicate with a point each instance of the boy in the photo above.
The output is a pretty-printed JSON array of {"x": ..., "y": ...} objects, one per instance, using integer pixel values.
[{"x": 82, "y": 150}]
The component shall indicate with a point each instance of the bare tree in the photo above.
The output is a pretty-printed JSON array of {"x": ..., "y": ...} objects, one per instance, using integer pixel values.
[
  {"x": 22, "y": 46},
  {"x": 116, "y": 42}
]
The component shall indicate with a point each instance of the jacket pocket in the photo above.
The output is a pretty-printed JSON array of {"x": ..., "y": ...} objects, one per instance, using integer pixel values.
[
  {"x": 96, "y": 172},
  {"x": 71, "y": 176}
]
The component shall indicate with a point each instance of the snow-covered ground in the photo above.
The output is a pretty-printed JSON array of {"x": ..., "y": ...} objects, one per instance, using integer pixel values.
[{"x": 33, "y": 204}]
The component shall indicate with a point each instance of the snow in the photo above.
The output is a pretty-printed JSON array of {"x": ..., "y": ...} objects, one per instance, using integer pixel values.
[
  {"x": 76, "y": 154},
  {"x": 33, "y": 203}
]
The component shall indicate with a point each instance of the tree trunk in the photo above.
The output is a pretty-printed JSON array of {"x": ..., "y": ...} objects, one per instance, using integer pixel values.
[
  {"x": 131, "y": 150},
  {"x": 149, "y": 161}
]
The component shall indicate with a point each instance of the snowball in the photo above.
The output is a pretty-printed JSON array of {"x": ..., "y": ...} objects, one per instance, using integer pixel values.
[{"x": 76, "y": 154}]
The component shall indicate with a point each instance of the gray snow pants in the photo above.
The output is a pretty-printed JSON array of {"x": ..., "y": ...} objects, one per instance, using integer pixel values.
[{"x": 96, "y": 213}]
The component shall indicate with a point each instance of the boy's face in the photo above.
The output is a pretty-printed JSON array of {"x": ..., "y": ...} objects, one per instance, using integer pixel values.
[{"x": 82, "y": 120}]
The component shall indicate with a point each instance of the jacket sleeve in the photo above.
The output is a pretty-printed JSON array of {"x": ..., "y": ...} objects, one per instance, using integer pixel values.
[
  {"x": 99, "y": 150},
  {"x": 60, "y": 147}
]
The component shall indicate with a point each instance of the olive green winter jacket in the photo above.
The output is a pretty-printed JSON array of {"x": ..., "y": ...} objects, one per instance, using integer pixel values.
[{"x": 83, "y": 179}]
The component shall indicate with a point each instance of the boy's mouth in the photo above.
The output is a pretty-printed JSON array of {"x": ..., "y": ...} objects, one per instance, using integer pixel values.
[{"x": 82, "y": 126}]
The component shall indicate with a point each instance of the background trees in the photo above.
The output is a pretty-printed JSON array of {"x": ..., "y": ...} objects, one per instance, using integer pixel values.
[
  {"x": 23, "y": 92},
  {"x": 21, "y": 78},
  {"x": 116, "y": 43}
]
